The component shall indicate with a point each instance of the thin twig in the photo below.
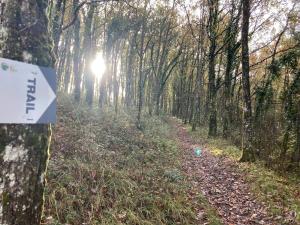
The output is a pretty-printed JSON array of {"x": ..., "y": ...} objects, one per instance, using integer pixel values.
[{"x": 77, "y": 9}]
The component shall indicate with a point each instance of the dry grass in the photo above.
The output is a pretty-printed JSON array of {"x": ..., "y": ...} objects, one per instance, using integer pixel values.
[{"x": 105, "y": 171}]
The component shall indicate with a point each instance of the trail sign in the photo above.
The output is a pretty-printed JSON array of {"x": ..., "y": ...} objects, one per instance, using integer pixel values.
[{"x": 27, "y": 93}]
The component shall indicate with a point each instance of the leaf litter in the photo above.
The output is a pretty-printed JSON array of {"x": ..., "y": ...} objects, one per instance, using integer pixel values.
[{"x": 223, "y": 185}]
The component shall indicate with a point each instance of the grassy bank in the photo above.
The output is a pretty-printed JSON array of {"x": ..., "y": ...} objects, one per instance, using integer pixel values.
[
  {"x": 281, "y": 192},
  {"x": 105, "y": 171}
]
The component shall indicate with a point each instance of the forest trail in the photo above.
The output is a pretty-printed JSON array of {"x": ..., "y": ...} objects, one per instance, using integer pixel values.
[{"x": 219, "y": 180}]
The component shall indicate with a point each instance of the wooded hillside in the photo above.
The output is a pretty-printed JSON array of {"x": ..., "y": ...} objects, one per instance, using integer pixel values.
[
  {"x": 160, "y": 90},
  {"x": 230, "y": 65}
]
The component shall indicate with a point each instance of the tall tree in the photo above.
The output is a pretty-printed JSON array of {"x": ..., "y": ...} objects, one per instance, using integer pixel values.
[
  {"x": 88, "y": 48},
  {"x": 248, "y": 149},
  {"x": 58, "y": 18},
  {"x": 76, "y": 57},
  {"x": 141, "y": 71},
  {"x": 212, "y": 91},
  {"x": 129, "y": 72},
  {"x": 200, "y": 65},
  {"x": 165, "y": 51},
  {"x": 232, "y": 47},
  {"x": 24, "y": 148},
  {"x": 143, "y": 74}
]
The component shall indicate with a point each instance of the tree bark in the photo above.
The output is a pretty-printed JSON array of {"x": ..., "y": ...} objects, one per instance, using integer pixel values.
[
  {"x": 88, "y": 55},
  {"x": 129, "y": 78},
  {"x": 76, "y": 57},
  {"x": 58, "y": 18},
  {"x": 248, "y": 150},
  {"x": 24, "y": 148},
  {"x": 231, "y": 51},
  {"x": 296, "y": 153},
  {"x": 213, "y": 15},
  {"x": 141, "y": 73}
]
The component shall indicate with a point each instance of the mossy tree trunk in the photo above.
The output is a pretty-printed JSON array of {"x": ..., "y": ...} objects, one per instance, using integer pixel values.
[
  {"x": 212, "y": 91},
  {"x": 60, "y": 7},
  {"x": 296, "y": 153},
  {"x": 248, "y": 149},
  {"x": 24, "y": 148},
  {"x": 231, "y": 51},
  {"x": 63, "y": 52}
]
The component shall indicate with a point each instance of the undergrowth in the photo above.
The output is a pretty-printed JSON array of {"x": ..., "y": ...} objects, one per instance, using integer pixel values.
[
  {"x": 104, "y": 171},
  {"x": 280, "y": 191}
]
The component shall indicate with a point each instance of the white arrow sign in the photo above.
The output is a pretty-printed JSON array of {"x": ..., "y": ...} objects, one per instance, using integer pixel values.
[{"x": 27, "y": 93}]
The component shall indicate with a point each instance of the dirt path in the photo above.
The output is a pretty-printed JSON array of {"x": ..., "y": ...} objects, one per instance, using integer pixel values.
[{"x": 218, "y": 179}]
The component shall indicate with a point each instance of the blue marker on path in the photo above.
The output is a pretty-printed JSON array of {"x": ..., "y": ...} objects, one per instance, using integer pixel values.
[{"x": 198, "y": 151}]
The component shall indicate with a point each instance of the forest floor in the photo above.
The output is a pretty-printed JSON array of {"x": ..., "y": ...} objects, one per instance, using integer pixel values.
[
  {"x": 241, "y": 193},
  {"x": 105, "y": 171}
]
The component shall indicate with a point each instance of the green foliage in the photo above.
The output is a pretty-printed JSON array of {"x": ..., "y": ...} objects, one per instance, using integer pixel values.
[
  {"x": 218, "y": 145},
  {"x": 290, "y": 59},
  {"x": 118, "y": 28},
  {"x": 173, "y": 175},
  {"x": 280, "y": 142},
  {"x": 274, "y": 69}
]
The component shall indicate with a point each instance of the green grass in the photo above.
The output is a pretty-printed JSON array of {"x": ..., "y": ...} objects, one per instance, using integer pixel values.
[
  {"x": 210, "y": 212},
  {"x": 280, "y": 191},
  {"x": 105, "y": 171},
  {"x": 218, "y": 145}
]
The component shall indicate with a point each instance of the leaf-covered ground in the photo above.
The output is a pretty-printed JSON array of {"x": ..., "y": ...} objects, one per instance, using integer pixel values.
[
  {"x": 241, "y": 193},
  {"x": 103, "y": 170}
]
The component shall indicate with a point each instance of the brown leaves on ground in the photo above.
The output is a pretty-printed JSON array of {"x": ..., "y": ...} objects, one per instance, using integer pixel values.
[{"x": 224, "y": 186}]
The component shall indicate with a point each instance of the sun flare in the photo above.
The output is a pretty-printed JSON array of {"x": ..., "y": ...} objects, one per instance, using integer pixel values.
[{"x": 98, "y": 66}]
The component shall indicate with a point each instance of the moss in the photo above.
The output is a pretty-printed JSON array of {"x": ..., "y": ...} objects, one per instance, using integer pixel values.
[
  {"x": 2, "y": 140},
  {"x": 11, "y": 43},
  {"x": 5, "y": 199}
]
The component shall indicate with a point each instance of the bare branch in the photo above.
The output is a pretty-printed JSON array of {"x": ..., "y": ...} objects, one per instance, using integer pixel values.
[{"x": 77, "y": 9}]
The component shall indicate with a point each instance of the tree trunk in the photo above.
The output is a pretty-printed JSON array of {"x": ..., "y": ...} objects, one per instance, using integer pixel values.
[
  {"x": 24, "y": 148},
  {"x": 296, "y": 153},
  {"x": 285, "y": 141},
  {"x": 227, "y": 93},
  {"x": 141, "y": 74},
  {"x": 129, "y": 79},
  {"x": 61, "y": 64},
  {"x": 116, "y": 85},
  {"x": 197, "y": 94},
  {"x": 157, "y": 98},
  {"x": 58, "y": 18},
  {"x": 213, "y": 14},
  {"x": 76, "y": 57},
  {"x": 150, "y": 96},
  {"x": 90, "y": 78},
  {"x": 248, "y": 150},
  {"x": 68, "y": 74}
]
